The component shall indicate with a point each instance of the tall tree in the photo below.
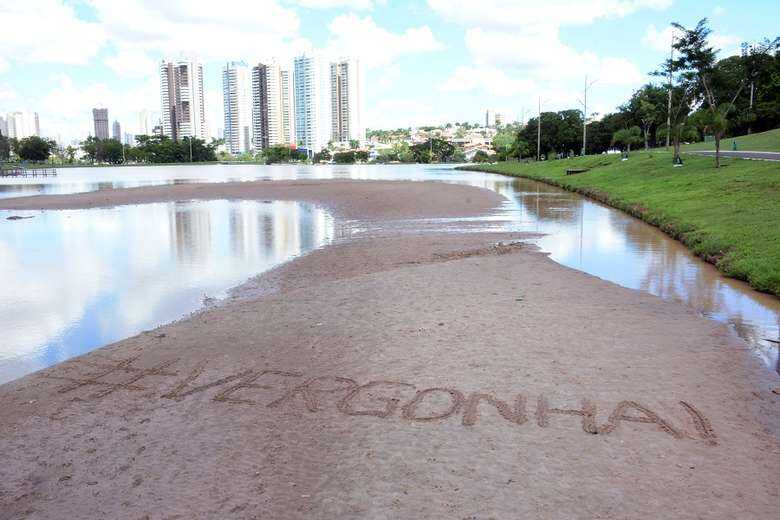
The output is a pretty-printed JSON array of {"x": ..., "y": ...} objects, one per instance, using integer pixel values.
[
  {"x": 35, "y": 148},
  {"x": 5, "y": 147},
  {"x": 627, "y": 137},
  {"x": 696, "y": 61},
  {"x": 756, "y": 59},
  {"x": 681, "y": 93}
]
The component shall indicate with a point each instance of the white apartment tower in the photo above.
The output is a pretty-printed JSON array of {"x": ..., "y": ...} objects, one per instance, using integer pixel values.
[
  {"x": 346, "y": 98},
  {"x": 312, "y": 92},
  {"x": 272, "y": 106},
  {"x": 182, "y": 107},
  {"x": 237, "y": 98},
  {"x": 22, "y": 124},
  {"x": 493, "y": 119},
  {"x": 143, "y": 122}
]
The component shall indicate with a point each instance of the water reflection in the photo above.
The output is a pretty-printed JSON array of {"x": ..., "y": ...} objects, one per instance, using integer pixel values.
[
  {"x": 579, "y": 233},
  {"x": 77, "y": 280},
  {"x": 588, "y": 236}
]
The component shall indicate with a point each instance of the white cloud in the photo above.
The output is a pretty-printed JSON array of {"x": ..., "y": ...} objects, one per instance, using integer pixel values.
[
  {"x": 519, "y": 51},
  {"x": 516, "y": 49},
  {"x": 530, "y": 13},
  {"x": 357, "y": 5},
  {"x": 616, "y": 71},
  {"x": 402, "y": 113},
  {"x": 131, "y": 62},
  {"x": 387, "y": 78},
  {"x": 194, "y": 27},
  {"x": 47, "y": 31},
  {"x": 727, "y": 44},
  {"x": 660, "y": 41},
  {"x": 67, "y": 109},
  {"x": 7, "y": 93},
  {"x": 374, "y": 45},
  {"x": 719, "y": 10},
  {"x": 488, "y": 79}
]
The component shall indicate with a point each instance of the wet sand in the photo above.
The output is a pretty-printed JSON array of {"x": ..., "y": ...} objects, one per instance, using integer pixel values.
[{"x": 398, "y": 375}]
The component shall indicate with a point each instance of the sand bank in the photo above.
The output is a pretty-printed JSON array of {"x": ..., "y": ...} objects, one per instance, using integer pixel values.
[{"x": 399, "y": 375}]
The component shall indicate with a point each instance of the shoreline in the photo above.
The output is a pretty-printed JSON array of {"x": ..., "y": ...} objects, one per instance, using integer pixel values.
[
  {"x": 397, "y": 374},
  {"x": 680, "y": 232}
]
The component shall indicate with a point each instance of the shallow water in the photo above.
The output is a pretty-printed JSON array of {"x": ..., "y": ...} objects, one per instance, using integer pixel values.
[
  {"x": 75, "y": 280},
  {"x": 81, "y": 279}
]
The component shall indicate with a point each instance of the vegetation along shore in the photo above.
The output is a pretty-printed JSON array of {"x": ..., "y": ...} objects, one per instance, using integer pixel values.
[{"x": 728, "y": 217}]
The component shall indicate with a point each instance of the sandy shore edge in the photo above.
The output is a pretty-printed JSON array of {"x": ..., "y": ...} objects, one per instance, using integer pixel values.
[{"x": 378, "y": 379}]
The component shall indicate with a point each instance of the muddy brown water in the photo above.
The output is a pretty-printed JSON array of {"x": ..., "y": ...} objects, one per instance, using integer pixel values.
[{"x": 577, "y": 232}]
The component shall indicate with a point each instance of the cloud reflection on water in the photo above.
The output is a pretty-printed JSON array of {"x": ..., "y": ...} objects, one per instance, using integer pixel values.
[{"x": 78, "y": 279}]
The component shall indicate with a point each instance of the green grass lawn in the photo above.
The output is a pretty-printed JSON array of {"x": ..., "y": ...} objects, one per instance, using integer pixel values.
[
  {"x": 730, "y": 217},
  {"x": 763, "y": 142}
]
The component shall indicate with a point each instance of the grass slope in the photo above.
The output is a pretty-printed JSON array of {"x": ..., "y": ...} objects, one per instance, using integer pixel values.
[
  {"x": 763, "y": 142},
  {"x": 729, "y": 217}
]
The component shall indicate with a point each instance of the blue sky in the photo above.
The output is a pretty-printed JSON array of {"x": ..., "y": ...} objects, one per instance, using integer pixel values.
[{"x": 426, "y": 61}]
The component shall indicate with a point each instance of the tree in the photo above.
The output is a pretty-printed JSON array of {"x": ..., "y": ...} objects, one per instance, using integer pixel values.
[
  {"x": 34, "y": 148},
  {"x": 697, "y": 61},
  {"x": 282, "y": 154},
  {"x": 757, "y": 58},
  {"x": 347, "y": 157},
  {"x": 482, "y": 157},
  {"x": 627, "y": 137},
  {"x": 503, "y": 143},
  {"x": 322, "y": 156},
  {"x": 110, "y": 151},
  {"x": 681, "y": 93},
  {"x": 161, "y": 149},
  {"x": 90, "y": 148},
  {"x": 5, "y": 148},
  {"x": 433, "y": 150},
  {"x": 648, "y": 112}
]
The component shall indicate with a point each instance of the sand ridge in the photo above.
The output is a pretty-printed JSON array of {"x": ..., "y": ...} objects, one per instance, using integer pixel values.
[{"x": 403, "y": 375}]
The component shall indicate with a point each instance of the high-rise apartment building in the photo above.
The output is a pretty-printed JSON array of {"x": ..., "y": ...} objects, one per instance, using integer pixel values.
[
  {"x": 143, "y": 123},
  {"x": 288, "y": 105},
  {"x": 237, "y": 98},
  {"x": 22, "y": 124},
  {"x": 272, "y": 106},
  {"x": 116, "y": 131},
  {"x": 100, "y": 121},
  {"x": 493, "y": 119},
  {"x": 3, "y": 127},
  {"x": 182, "y": 103},
  {"x": 312, "y": 93},
  {"x": 346, "y": 98}
]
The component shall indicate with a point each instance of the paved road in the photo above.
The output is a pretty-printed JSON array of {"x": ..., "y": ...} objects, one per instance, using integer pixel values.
[{"x": 760, "y": 156}]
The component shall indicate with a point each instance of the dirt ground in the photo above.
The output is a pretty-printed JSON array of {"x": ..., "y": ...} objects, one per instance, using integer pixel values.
[{"x": 437, "y": 374}]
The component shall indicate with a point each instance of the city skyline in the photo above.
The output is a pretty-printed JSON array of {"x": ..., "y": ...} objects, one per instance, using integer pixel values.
[{"x": 427, "y": 62}]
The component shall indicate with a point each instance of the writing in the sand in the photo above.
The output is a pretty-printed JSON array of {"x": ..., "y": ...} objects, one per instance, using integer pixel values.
[{"x": 384, "y": 399}]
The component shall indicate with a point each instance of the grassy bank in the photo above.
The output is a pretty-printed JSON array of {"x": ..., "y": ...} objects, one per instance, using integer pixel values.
[
  {"x": 762, "y": 142},
  {"x": 730, "y": 217}
]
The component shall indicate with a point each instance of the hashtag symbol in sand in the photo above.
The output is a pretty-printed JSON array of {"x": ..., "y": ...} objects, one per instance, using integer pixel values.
[{"x": 103, "y": 379}]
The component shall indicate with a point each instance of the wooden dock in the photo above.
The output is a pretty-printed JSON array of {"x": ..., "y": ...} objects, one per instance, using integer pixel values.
[{"x": 28, "y": 172}]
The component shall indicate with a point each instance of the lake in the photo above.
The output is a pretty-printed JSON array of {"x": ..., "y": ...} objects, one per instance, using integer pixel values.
[{"x": 74, "y": 280}]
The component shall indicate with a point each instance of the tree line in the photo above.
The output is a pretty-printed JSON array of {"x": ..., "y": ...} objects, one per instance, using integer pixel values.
[{"x": 734, "y": 96}]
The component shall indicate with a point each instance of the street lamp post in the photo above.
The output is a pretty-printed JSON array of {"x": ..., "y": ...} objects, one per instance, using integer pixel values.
[
  {"x": 669, "y": 101},
  {"x": 584, "y": 104},
  {"x": 539, "y": 132}
]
